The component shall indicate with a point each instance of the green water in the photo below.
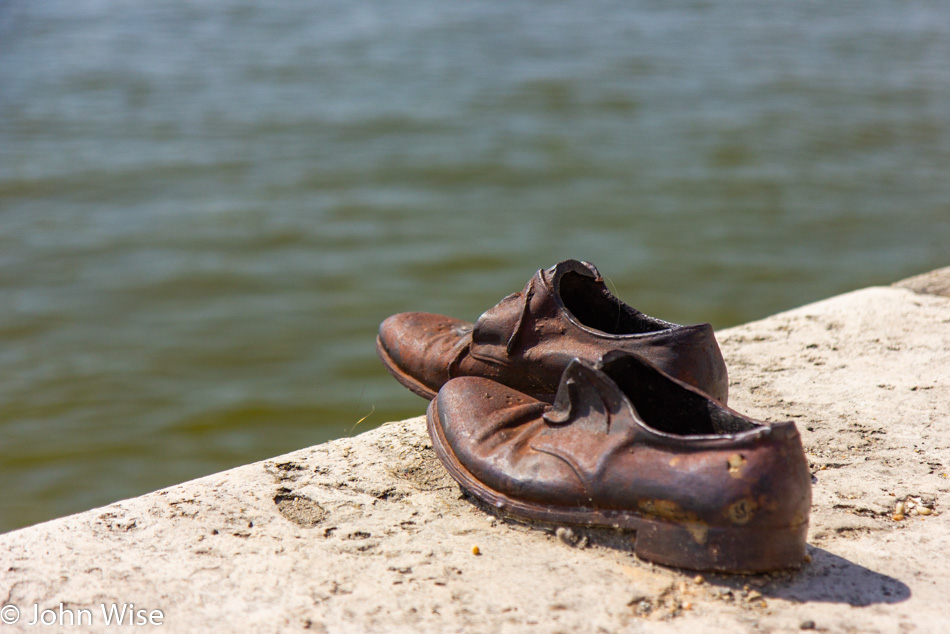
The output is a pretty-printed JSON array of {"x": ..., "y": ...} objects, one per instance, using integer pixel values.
[{"x": 206, "y": 209}]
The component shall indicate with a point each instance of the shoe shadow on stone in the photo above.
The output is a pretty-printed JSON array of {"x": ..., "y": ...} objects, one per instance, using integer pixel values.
[
  {"x": 826, "y": 578},
  {"x": 829, "y": 578}
]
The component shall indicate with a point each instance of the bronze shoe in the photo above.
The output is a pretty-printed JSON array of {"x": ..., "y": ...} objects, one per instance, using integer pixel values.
[
  {"x": 527, "y": 339},
  {"x": 625, "y": 445}
]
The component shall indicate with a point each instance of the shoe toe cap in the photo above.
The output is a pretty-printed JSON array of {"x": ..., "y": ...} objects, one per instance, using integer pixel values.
[
  {"x": 421, "y": 346},
  {"x": 476, "y": 406},
  {"x": 489, "y": 428}
]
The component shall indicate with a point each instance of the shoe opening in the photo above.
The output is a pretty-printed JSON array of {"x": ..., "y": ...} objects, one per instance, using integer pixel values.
[
  {"x": 595, "y": 307},
  {"x": 667, "y": 406}
]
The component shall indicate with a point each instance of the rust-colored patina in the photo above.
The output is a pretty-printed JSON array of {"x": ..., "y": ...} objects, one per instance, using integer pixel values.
[
  {"x": 528, "y": 339},
  {"x": 626, "y": 445}
]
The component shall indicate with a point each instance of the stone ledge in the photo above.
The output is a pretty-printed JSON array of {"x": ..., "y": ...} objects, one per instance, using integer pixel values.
[
  {"x": 369, "y": 533},
  {"x": 932, "y": 283}
]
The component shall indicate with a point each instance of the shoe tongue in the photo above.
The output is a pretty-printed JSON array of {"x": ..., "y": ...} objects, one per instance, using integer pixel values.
[
  {"x": 577, "y": 266},
  {"x": 588, "y": 397},
  {"x": 593, "y": 269}
]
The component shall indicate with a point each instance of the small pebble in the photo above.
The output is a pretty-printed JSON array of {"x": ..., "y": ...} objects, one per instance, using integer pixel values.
[
  {"x": 897, "y": 517},
  {"x": 566, "y": 535},
  {"x": 807, "y": 559},
  {"x": 923, "y": 510},
  {"x": 698, "y": 579},
  {"x": 476, "y": 550},
  {"x": 807, "y": 625},
  {"x": 899, "y": 509},
  {"x": 755, "y": 596}
]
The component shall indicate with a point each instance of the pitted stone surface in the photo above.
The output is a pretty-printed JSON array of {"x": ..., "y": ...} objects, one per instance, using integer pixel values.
[{"x": 368, "y": 534}]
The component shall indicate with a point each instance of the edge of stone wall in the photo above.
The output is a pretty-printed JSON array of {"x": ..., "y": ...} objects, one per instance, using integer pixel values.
[{"x": 369, "y": 533}]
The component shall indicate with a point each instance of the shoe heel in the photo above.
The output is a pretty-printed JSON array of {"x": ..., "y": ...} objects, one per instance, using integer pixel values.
[{"x": 701, "y": 547}]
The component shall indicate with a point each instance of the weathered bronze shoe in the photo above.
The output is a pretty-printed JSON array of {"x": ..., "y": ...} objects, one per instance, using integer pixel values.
[
  {"x": 626, "y": 445},
  {"x": 528, "y": 338}
]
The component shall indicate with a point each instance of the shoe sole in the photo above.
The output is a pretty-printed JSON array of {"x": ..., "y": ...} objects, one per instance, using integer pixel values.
[
  {"x": 404, "y": 379},
  {"x": 696, "y": 546}
]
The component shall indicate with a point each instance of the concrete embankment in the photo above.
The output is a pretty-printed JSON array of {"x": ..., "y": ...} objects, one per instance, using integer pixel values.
[{"x": 369, "y": 533}]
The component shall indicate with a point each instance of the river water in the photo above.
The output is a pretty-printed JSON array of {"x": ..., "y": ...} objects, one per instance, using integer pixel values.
[{"x": 206, "y": 208}]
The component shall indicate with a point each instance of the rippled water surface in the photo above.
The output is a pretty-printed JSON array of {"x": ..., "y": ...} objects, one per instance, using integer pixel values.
[{"x": 206, "y": 209}]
